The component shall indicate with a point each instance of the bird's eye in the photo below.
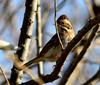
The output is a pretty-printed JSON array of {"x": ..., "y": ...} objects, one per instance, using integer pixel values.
[{"x": 62, "y": 23}]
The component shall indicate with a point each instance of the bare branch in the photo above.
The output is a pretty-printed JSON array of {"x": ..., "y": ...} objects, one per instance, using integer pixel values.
[
  {"x": 57, "y": 26},
  {"x": 24, "y": 39},
  {"x": 5, "y": 76},
  {"x": 90, "y": 9},
  {"x": 39, "y": 36}
]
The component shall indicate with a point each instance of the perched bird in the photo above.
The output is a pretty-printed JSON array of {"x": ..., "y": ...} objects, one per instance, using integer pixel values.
[{"x": 52, "y": 50}]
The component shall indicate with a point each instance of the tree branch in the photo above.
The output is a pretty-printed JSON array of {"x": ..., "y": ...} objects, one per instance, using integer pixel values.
[
  {"x": 39, "y": 36},
  {"x": 24, "y": 39},
  {"x": 5, "y": 76}
]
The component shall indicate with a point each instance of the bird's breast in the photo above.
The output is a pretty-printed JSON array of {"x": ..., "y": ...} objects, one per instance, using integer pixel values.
[{"x": 54, "y": 53}]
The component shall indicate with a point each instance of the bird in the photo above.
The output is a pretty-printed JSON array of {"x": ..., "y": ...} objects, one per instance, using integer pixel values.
[{"x": 52, "y": 50}]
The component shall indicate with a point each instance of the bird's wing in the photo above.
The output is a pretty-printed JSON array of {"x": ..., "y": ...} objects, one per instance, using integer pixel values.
[{"x": 52, "y": 42}]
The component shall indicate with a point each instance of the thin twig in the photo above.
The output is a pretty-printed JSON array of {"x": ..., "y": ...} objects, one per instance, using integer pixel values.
[
  {"x": 59, "y": 6},
  {"x": 57, "y": 26},
  {"x": 4, "y": 76},
  {"x": 39, "y": 36},
  {"x": 90, "y": 8}
]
